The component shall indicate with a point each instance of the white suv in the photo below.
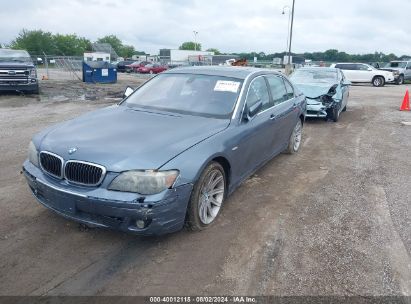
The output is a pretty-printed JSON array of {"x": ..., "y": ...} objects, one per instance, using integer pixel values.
[{"x": 361, "y": 72}]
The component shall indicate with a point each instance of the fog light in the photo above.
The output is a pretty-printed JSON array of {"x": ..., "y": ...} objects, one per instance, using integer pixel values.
[{"x": 140, "y": 224}]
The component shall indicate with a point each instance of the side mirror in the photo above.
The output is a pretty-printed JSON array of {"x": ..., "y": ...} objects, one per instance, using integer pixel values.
[
  {"x": 369, "y": 69},
  {"x": 253, "y": 110},
  {"x": 127, "y": 92},
  {"x": 346, "y": 83}
]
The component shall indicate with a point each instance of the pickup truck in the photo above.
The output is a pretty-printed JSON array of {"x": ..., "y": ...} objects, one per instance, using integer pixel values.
[
  {"x": 17, "y": 72},
  {"x": 401, "y": 70}
]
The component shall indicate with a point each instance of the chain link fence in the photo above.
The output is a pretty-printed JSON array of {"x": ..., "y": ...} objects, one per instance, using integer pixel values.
[{"x": 59, "y": 67}]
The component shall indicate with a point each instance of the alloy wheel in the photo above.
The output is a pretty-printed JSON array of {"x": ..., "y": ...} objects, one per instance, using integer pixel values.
[{"x": 211, "y": 196}]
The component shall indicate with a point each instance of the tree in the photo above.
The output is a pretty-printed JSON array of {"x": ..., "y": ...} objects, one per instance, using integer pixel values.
[
  {"x": 190, "y": 45},
  {"x": 216, "y": 52},
  {"x": 126, "y": 51},
  {"x": 122, "y": 50},
  {"x": 71, "y": 45},
  {"x": 35, "y": 42}
]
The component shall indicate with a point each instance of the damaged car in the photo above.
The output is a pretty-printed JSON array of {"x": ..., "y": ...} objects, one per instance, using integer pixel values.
[
  {"x": 326, "y": 90},
  {"x": 170, "y": 153}
]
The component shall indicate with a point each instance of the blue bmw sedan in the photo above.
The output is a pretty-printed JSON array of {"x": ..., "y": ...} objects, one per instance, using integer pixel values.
[{"x": 170, "y": 153}]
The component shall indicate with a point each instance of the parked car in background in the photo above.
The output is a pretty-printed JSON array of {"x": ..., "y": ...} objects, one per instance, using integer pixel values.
[
  {"x": 401, "y": 70},
  {"x": 135, "y": 65},
  {"x": 363, "y": 73},
  {"x": 326, "y": 90},
  {"x": 179, "y": 145},
  {"x": 17, "y": 72},
  {"x": 122, "y": 65},
  {"x": 152, "y": 68}
]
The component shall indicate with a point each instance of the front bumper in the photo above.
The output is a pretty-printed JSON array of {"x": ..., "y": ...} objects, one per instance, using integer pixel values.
[
  {"x": 15, "y": 86},
  {"x": 97, "y": 207},
  {"x": 316, "y": 108}
]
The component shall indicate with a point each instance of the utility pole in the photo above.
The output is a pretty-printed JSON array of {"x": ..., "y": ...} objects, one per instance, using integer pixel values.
[
  {"x": 195, "y": 40},
  {"x": 288, "y": 68}
]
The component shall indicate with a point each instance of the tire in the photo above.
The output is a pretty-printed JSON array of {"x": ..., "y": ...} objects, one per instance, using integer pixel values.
[
  {"x": 345, "y": 108},
  {"x": 400, "y": 80},
  {"x": 336, "y": 114},
  {"x": 294, "y": 142},
  {"x": 378, "y": 81},
  {"x": 204, "y": 208}
]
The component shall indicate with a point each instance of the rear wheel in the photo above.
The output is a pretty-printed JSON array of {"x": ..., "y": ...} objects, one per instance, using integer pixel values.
[
  {"x": 378, "y": 81},
  {"x": 295, "y": 138},
  {"x": 207, "y": 197}
]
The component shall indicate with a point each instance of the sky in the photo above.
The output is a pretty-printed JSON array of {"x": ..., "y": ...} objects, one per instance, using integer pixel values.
[{"x": 353, "y": 26}]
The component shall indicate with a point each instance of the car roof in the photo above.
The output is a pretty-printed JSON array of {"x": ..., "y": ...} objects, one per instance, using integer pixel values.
[
  {"x": 225, "y": 71},
  {"x": 319, "y": 68}
]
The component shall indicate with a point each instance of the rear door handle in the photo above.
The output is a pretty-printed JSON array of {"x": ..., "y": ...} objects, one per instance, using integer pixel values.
[{"x": 272, "y": 117}]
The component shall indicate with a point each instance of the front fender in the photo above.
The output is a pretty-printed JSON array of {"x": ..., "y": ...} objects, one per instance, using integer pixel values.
[{"x": 194, "y": 160}]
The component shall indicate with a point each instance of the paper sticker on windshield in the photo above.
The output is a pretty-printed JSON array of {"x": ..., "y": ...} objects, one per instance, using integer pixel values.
[{"x": 227, "y": 86}]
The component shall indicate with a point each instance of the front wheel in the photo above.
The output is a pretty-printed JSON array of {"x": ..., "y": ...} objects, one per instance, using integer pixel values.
[
  {"x": 294, "y": 142},
  {"x": 378, "y": 81},
  {"x": 336, "y": 113},
  {"x": 400, "y": 80},
  {"x": 207, "y": 197}
]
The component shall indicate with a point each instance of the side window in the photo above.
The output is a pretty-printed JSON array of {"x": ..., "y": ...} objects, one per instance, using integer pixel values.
[
  {"x": 258, "y": 91},
  {"x": 289, "y": 88},
  {"x": 362, "y": 67},
  {"x": 277, "y": 88},
  {"x": 409, "y": 65}
]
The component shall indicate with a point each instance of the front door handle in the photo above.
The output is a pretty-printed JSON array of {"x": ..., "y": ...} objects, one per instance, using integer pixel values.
[{"x": 272, "y": 117}]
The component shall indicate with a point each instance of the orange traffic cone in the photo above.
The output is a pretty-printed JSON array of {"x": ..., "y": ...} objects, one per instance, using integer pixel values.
[{"x": 406, "y": 102}]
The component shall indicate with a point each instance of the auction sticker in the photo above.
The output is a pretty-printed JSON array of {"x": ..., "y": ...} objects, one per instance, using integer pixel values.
[{"x": 227, "y": 86}]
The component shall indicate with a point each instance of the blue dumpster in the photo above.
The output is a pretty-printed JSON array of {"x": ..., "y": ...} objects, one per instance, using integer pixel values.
[{"x": 99, "y": 72}]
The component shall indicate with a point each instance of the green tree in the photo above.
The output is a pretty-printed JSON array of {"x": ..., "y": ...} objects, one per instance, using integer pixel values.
[
  {"x": 35, "y": 42},
  {"x": 122, "y": 50},
  {"x": 71, "y": 45},
  {"x": 114, "y": 41},
  {"x": 216, "y": 51},
  {"x": 126, "y": 51},
  {"x": 190, "y": 45}
]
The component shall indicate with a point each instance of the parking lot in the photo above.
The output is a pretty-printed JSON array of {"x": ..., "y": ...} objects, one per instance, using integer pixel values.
[{"x": 333, "y": 219}]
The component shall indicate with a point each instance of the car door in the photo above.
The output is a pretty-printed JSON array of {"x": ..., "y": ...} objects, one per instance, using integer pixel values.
[
  {"x": 344, "y": 88},
  {"x": 255, "y": 133},
  {"x": 364, "y": 73},
  {"x": 284, "y": 113},
  {"x": 349, "y": 71},
  {"x": 407, "y": 74}
]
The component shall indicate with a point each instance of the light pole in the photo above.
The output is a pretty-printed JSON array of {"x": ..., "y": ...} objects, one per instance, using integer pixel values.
[
  {"x": 288, "y": 66},
  {"x": 288, "y": 26},
  {"x": 195, "y": 40}
]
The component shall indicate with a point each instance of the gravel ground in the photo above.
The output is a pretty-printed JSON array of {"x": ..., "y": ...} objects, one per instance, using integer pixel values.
[{"x": 331, "y": 220}]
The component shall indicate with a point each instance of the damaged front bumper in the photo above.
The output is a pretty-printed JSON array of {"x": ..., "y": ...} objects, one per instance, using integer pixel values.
[
  {"x": 98, "y": 207},
  {"x": 319, "y": 108}
]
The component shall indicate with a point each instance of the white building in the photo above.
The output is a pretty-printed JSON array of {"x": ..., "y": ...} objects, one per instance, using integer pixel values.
[{"x": 97, "y": 56}]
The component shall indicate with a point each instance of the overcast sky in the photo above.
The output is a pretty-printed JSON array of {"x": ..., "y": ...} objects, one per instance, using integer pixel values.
[{"x": 353, "y": 26}]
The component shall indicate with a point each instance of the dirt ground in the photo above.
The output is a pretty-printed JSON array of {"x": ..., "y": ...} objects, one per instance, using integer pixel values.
[{"x": 332, "y": 220}]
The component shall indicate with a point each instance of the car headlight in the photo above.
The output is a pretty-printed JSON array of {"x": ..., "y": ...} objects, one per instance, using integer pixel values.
[
  {"x": 144, "y": 182},
  {"x": 33, "y": 154},
  {"x": 33, "y": 73}
]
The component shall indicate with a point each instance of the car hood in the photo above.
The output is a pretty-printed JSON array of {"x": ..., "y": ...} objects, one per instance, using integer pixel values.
[
  {"x": 122, "y": 138},
  {"x": 392, "y": 69},
  {"x": 315, "y": 90},
  {"x": 16, "y": 64}
]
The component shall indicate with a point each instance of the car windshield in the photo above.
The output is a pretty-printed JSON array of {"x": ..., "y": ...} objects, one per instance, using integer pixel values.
[
  {"x": 14, "y": 55},
  {"x": 193, "y": 94},
  {"x": 314, "y": 76},
  {"x": 401, "y": 65}
]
